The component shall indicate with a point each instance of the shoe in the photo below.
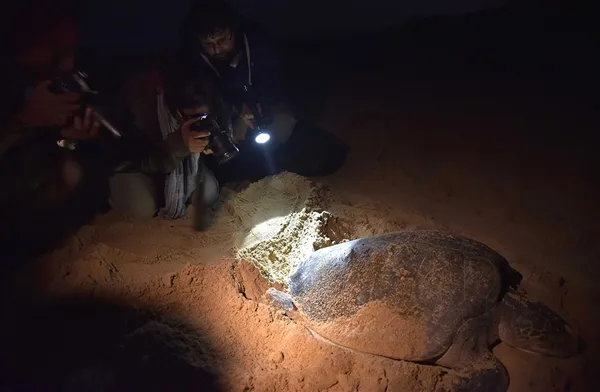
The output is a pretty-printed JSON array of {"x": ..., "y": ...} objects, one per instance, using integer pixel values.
[
  {"x": 204, "y": 217},
  {"x": 206, "y": 196}
]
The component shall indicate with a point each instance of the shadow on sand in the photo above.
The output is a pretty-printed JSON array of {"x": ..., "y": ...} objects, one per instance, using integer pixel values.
[{"x": 92, "y": 345}]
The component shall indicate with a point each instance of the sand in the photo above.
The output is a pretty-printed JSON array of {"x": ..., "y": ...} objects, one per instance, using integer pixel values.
[
  {"x": 223, "y": 329},
  {"x": 249, "y": 345},
  {"x": 426, "y": 155},
  {"x": 294, "y": 228}
]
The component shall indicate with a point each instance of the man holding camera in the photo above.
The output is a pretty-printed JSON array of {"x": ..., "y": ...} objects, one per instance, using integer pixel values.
[
  {"x": 248, "y": 70},
  {"x": 33, "y": 169},
  {"x": 169, "y": 118},
  {"x": 244, "y": 62}
]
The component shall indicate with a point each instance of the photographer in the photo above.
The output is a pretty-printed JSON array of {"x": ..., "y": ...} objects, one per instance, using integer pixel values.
[
  {"x": 34, "y": 171},
  {"x": 163, "y": 154},
  {"x": 213, "y": 35},
  {"x": 248, "y": 69}
]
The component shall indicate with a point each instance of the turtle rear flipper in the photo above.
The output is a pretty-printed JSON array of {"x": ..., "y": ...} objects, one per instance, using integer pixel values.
[
  {"x": 533, "y": 327},
  {"x": 477, "y": 368}
]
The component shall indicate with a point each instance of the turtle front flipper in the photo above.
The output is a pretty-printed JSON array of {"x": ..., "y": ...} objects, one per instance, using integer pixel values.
[
  {"x": 533, "y": 327},
  {"x": 280, "y": 300},
  {"x": 476, "y": 367},
  {"x": 488, "y": 375}
]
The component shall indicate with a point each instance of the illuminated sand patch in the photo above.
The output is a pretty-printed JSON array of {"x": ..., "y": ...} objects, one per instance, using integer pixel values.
[
  {"x": 281, "y": 220},
  {"x": 284, "y": 221},
  {"x": 274, "y": 223}
]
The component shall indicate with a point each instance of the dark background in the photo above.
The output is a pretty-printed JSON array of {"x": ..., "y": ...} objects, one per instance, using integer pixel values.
[
  {"x": 154, "y": 24},
  {"x": 546, "y": 45}
]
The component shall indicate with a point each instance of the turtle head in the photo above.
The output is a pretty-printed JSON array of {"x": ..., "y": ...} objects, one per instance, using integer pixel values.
[{"x": 533, "y": 327}]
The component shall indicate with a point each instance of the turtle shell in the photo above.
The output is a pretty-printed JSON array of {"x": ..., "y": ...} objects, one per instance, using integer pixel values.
[{"x": 400, "y": 295}]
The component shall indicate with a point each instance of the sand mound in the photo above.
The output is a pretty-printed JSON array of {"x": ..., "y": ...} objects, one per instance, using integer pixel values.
[
  {"x": 274, "y": 224},
  {"x": 283, "y": 221}
]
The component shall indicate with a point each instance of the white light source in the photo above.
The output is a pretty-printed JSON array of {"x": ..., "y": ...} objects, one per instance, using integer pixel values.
[{"x": 262, "y": 138}]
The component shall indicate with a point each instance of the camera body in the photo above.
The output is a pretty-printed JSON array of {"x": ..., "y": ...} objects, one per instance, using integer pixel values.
[
  {"x": 220, "y": 142},
  {"x": 67, "y": 82},
  {"x": 76, "y": 82}
]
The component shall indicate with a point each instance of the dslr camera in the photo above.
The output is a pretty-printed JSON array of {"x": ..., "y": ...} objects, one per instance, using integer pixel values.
[
  {"x": 77, "y": 82},
  {"x": 220, "y": 142}
]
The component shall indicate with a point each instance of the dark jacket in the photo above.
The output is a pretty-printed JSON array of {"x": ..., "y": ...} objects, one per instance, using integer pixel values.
[{"x": 258, "y": 72}]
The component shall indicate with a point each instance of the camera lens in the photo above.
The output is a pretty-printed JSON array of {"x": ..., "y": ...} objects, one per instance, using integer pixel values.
[
  {"x": 220, "y": 143},
  {"x": 223, "y": 147}
]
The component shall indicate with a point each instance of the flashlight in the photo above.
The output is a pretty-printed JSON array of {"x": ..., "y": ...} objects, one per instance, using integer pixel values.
[
  {"x": 262, "y": 138},
  {"x": 262, "y": 134},
  {"x": 262, "y": 120}
]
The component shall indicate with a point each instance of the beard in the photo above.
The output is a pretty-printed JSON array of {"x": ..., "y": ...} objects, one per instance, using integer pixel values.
[{"x": 225, "y": 58}]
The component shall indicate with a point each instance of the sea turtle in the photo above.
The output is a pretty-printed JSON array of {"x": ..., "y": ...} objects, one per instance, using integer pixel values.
[{"x": 423, "y": 296}]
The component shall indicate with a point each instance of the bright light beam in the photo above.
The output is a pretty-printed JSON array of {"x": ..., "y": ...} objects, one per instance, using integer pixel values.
[{"x": 262, "y": 138}]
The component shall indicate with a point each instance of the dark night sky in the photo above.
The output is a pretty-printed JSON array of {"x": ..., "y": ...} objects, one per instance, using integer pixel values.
[{"x": 152, "y": 24}]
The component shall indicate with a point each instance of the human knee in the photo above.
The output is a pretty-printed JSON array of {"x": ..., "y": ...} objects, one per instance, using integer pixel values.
[
  {"x": 139, "y": 209},
  {"x": 56, "y": 182},
  {"x": 282, "y": 124},
  {"x": 133, "y": 194},
  {"x": 313, "y": 152},
  {"x": 71, "y": 174}
]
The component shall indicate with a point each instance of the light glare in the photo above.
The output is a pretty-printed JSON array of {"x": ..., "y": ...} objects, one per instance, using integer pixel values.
[{"x": 262, "y": 138}]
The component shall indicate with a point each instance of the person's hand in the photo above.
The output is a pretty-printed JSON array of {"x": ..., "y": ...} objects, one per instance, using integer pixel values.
[
  {"x": 46, "y": 109},
  {"x": 195, "y": 141},
  {"x": 247, "y": 116},
  {"x": 240, "y": 128},
  {"x": 85, "y": 129}
]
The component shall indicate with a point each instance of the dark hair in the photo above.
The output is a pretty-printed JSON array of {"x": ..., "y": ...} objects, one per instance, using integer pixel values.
[
  {"x": 30, "y": 22},
  {"x": 206, "y": 17},
  {"x": 184, "y": 87}
]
